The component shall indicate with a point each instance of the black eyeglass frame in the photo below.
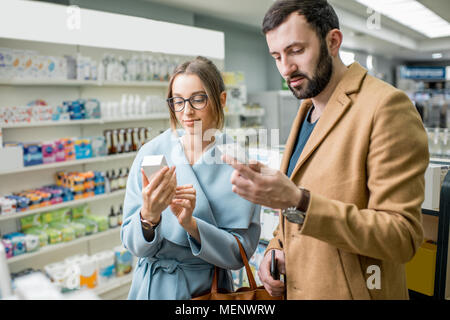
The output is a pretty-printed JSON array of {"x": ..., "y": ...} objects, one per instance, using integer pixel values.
[{"x": 170, "y": 102}]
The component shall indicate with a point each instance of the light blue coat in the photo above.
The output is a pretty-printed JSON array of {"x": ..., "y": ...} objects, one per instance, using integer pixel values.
[{"x": 174, "y": 265}]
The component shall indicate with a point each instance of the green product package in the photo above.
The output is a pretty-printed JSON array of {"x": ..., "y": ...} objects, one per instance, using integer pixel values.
[
  {"x": 38, "y": 231},
  {"x": 102, "y": 222},
  {"x": 30, "y": 221},
  {"x": 91, "y": 225},
  {"x": 80, "y": 211},
  {"x": 80, "y": 229},
  {"x": 54, "y": 235},
  {"x": 67, "y": 232}
]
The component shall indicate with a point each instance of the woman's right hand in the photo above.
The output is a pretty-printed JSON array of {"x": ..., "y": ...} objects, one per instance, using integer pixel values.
[{"x": 157, "y": 193}]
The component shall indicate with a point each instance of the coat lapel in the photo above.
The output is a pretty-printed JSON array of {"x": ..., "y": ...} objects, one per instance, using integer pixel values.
[{"x": 336, "y": 107}]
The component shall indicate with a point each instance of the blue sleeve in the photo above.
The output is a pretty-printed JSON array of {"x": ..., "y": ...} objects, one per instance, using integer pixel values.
[
  {"x": 131, "y": 232},
  {"x": 220, "y": 248}
]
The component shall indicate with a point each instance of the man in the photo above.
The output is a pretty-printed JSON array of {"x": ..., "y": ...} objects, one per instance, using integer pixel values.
[{"x": 351, "y": 183}]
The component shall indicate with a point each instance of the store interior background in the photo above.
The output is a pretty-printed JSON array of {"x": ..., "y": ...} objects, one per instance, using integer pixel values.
[{"x": 390, "y": 46}]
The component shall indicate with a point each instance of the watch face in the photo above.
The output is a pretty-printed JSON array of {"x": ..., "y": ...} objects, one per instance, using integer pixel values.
[{"x": 294, "y": 217}]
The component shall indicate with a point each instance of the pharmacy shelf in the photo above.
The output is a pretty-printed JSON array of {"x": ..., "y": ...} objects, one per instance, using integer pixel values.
[
  {"x": 66, "y": 204},
  {"x": 63, "y": 245},
  {"x": 113, "y": 284},
  {"x": 82, "y": 83},
  {"x": 440, "y": 160},
  {"x": 154, "y": 116},
  {"x": 70, "y": 163}
]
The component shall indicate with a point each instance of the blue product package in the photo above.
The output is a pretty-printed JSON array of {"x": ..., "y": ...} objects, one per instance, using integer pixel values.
[
  {"x": 83, "y": 148},
  {"x": 18, "y": 242},
  {"x": 32, "y": 154}
]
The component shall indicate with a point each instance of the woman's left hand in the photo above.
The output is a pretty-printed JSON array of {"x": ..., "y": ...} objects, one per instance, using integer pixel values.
[{"x": 183, "y": 205}]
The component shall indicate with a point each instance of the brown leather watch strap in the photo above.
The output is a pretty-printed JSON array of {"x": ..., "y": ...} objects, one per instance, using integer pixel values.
[{"x": 304, "y": 200}]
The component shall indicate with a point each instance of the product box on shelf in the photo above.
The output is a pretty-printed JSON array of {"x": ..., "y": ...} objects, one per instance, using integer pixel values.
[
  {"x": 60, "y": 154},
  {"x": 32, "y": 154},
  {"x": 123, "y": 261},
  {"x": 83, "y": 148},
  {"x": 18, "y": 242},
  {"x": 434, "y": 177},
  {"x": 7, "y": 244},
  {"x": 105, "y": 265},
  {"x": 48, "y": 152},
  {"x": 12, "y": 158},
  {"x": 7, "y": 206},
  {"x": 69, "y": 148}
]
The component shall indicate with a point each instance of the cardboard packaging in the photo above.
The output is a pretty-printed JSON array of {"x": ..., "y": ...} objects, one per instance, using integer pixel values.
[{"x": 151, "y": 164}]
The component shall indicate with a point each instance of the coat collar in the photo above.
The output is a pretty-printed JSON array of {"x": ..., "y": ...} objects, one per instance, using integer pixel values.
[{"x": 337, "y": 105}]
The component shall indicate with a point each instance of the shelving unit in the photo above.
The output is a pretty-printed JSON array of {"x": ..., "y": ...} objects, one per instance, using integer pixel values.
[
  {"x": 82, "y": 83},
  {"x": 69, "y": 163},
  {"x": 16, "y": 92},
  {"x": 66, "y": 204},
  {"x": 64, "y": 245},
  {"x": 155, "y": 116}
]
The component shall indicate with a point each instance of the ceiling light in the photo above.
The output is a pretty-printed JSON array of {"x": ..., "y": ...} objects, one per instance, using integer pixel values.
[
  {"x": 412, "y": 14},
  {"x": 436, "y": 55}
]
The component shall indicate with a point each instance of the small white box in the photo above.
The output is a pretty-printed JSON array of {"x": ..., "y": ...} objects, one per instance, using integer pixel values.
[
  {"x": 434, "y": 177},
  {"x": 11, "y": 158},
  {"x": 234, "y": 150},
  {"x": 151, "y": 164}
]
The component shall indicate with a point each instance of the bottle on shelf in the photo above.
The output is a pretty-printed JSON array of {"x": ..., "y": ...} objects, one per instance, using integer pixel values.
[
  {"x": 107, "y": 182},
  {"x": 113, "y": 181},
  {"x": 112, "y": 218},
  {"x": 119, "y": 140},
  {"x": 120, "y": 215}
]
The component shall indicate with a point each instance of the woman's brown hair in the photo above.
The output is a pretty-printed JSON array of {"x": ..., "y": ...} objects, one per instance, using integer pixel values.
[{"x": 212, "y": 81}]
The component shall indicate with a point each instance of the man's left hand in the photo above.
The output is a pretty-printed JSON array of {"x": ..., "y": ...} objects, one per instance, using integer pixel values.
[{"x": 263, "y": 185}]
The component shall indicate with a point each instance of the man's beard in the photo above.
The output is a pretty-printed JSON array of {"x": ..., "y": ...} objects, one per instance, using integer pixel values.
[{"x": 321, "y": 78}]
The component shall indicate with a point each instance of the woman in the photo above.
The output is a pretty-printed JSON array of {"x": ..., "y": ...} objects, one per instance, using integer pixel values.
[{"x": 181, "y": 224}]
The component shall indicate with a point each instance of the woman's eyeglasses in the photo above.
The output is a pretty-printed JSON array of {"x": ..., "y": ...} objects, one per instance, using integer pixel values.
[{"x": 197, "y": 101}]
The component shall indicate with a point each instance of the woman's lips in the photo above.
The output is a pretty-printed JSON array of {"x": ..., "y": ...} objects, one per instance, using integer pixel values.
[{"x": 190, "y": 122}]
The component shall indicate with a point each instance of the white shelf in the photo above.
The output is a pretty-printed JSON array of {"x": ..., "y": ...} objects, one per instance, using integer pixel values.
[
  {"x": 71, "y": 163},
  {"x": 82, "y": 83},
  {"x": 59, "y": 246},
  {"x": 155, "y": 116},
  {"x": 113, "y": 284},
  {"x": 442, "y": 160},
  {"x": 66, "y": 204}
]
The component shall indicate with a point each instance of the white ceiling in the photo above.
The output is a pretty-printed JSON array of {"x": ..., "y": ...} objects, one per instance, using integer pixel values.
[{"x": 393, "y": 40}]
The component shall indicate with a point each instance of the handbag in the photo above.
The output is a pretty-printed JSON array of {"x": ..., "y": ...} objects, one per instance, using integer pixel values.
[{"x": 244, "y": 293}]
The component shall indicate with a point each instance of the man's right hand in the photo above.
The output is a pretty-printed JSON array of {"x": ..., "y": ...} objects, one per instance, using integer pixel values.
[{"x": 274, "y": 287}]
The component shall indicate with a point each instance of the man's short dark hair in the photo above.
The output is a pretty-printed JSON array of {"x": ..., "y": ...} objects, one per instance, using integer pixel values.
[{"x": 319, "y": 14}]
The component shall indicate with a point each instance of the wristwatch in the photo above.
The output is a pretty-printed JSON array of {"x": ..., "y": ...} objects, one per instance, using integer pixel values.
[
  {"x": 148, "y": 225},
  {"x": 297, "y": 214}
]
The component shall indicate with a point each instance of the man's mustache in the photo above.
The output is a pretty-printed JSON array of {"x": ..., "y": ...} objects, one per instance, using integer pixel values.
[{"x": 296, "y": 75}]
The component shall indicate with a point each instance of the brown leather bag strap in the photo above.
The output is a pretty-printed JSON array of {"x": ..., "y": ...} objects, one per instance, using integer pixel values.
[
  {"x": 250, "y": 277},
  {"x": 215, "y": 280}
]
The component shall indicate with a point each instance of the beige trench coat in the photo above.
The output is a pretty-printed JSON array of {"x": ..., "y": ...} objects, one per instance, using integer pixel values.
[{"x": 364, "y": 164}]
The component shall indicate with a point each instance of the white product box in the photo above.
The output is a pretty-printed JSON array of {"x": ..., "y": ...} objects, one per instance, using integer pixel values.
[
  {"x": 234, "y": 150},
  {"x": 434, "y": 177},
  {"x": 151, "y": 164},
  {"x": 11, "y": 158}
]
